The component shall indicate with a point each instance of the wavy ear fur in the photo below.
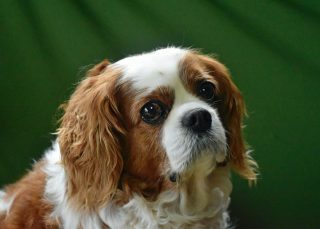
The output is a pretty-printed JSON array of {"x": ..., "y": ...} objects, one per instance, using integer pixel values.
[
  {"x": 89, "y": 139},
  {"x": 232, "y": 110},
  {"x": 239, "y": 156}
]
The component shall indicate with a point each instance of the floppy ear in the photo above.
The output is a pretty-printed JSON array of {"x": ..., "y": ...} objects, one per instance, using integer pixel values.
[
  {"x": 232, "y": 109},
  {"x": 239, "y": 156},
  {"x": 89, "y": 139}
]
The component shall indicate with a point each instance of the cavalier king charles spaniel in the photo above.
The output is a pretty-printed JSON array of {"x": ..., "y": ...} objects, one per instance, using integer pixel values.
[{"x": 145, "y": 142}]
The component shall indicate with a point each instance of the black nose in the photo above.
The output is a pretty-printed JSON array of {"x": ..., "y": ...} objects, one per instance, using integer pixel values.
[{"x": 197, "y": 120}]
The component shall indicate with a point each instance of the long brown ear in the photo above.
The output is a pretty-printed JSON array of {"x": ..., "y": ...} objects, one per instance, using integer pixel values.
[
  {"x": 239, "y": 156},
  {"x": 232, "y": 110},
  {"x": 89, "y": 139}
]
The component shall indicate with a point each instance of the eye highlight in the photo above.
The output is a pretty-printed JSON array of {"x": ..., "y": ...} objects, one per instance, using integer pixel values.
[
  {"x": 153, "y": 112},
  {"x": 206, "y": 90}
]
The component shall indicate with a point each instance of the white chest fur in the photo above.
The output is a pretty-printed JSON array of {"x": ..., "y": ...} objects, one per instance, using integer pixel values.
[{"x": 197, "y": 203}]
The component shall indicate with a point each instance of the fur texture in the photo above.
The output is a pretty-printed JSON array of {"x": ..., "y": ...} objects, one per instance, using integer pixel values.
[{"x": 110, "y": 168}]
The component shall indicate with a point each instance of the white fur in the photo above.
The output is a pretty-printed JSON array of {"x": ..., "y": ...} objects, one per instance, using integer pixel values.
[
  {"x": 204, "y": 207},
  {"x": 178, "y": 144},
  {"x": 150, "y": 70},
  {"x": 55, "y": 193}
]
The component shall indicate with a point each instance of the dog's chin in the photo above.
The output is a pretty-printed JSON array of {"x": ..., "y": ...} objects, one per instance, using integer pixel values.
[
  {"x": 202, "y": 157},
  {"x": 208, "y": 145},
  {"x": 197, "y": 168}
]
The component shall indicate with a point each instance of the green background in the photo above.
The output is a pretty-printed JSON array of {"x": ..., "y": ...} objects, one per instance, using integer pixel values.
[{"x": 271, "y": 47}]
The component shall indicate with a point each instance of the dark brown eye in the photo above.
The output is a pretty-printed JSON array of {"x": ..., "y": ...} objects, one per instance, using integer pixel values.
[
  {"x": 206, "y": 90},
  {"x": 153, "y": 112}
]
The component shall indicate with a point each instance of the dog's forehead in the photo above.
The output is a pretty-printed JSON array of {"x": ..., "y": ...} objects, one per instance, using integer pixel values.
[{"x": 151, "y": 70}]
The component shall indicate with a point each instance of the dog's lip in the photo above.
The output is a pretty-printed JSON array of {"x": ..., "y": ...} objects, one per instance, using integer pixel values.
[
  {"x": 206, "y": 145},
  {"x": 218, "y": 157}
]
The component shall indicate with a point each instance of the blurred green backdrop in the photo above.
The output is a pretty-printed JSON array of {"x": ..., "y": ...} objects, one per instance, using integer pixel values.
[{"x": 271, "y": 47}]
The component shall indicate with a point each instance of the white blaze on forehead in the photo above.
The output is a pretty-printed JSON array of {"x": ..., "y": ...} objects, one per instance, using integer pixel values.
[{"x": 151, "y": 70}]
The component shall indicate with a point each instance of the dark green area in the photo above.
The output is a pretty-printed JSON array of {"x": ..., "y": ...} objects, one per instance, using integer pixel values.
[{"x": 271, "y": 47}]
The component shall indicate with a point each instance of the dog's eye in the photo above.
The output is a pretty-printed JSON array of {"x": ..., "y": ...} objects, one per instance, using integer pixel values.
[
  {"x": 206, "y": 90},
  {"x": 153, "y": 112}
]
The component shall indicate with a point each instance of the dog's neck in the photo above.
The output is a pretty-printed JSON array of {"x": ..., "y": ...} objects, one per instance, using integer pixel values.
[{"x": 200, "y": 198}]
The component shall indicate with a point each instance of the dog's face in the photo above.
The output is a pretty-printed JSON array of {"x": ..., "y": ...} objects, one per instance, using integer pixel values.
[
  {"x": 173, "y": 108},
  {"x": 132, "y": 124}
]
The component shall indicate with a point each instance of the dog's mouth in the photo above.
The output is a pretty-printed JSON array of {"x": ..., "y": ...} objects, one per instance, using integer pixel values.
[
  {"x": 211, "y": 142},
  {"x": 208, "y": 143},
  {"x": 197, "y": 149}
]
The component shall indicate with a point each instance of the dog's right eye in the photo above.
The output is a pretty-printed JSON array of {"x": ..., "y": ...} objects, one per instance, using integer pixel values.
[{"x": 153, "y": 112}]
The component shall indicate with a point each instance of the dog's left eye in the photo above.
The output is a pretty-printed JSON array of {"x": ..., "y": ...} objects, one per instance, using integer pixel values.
[
  {"x": 153, "y": 112},
  {"x": 206, "y": 90}
]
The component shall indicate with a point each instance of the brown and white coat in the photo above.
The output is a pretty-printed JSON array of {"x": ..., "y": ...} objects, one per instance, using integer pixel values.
[{"x": 111, "y": 167}]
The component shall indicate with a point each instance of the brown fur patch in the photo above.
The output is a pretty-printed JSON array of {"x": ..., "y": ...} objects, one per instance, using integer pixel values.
[
  {"x": 192, "y": 72},
  {"x": 101, "y": 133},
  {"x": 98, "y": 68},
  {"x": 145, "y": 160},
  {"x": 89, "y": 141},
  {"x": 29, "y": 209}
]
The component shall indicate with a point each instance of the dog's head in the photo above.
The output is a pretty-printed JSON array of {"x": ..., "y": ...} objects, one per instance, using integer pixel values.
[{"x": 136, "y": 124}]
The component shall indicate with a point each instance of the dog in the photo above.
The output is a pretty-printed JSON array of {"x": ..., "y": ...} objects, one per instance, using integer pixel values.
[{"x": 145, "y": 142}]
